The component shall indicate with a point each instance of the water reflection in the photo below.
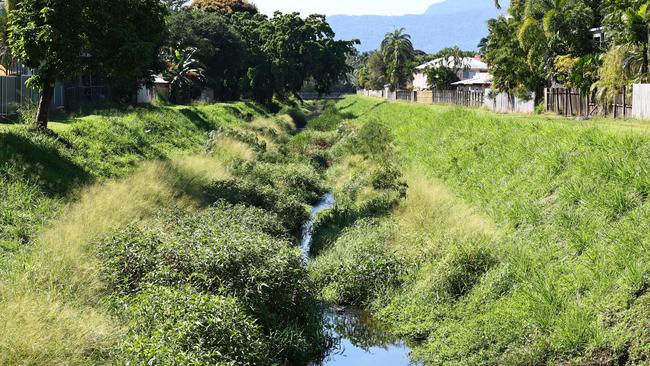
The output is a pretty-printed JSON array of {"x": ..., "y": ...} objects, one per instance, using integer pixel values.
[{"x": 357, "y": 339}]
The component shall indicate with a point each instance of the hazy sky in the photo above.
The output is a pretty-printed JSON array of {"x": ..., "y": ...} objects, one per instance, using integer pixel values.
[{"x": 348, "y": 7}]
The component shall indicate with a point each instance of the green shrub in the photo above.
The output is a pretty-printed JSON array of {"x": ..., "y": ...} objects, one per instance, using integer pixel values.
[
  {"x": 288, "y": 208},
  {"x": 226, "y": 250},
  {"x": 294, "y": 179},
  {"x": 328, "y": 120},
  {"x": 298, "y": 116},
  {"x": 183, "y": 327},
  {"x": 358, "y": 265}
]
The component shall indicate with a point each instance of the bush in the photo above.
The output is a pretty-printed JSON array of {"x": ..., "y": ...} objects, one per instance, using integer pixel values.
[
  {"x": 183, "y": 327},
  {"x": 358, "y": 265},
  {"x": 294, "y": 179},
  {"x": 329, "y": 120},
  {"x": 298, "y": 116},
  {"x": 290, "y": 211},
  {"x": 230, "y": 251}
]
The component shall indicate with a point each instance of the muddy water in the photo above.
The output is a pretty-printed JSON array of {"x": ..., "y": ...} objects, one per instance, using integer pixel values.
[{"x": 358, "y": 340}]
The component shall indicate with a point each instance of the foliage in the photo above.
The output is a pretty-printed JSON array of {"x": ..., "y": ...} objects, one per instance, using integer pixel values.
[
  {"x": 183, "y": 73},
  {"x": 182, "y": 326},
  {"x": 579, "y": 73},
  {"x": 358, "y": 265},
  {"x": 507, "y": 60},
  {"x": 613, "y": 76},
  {"x": 522, "y": 49},
  {"x": 441, "y": 77},
  {"x": 251, "y": 55},
  {"x": 373, "y": 75},
  {"x": 227, "y": 7},
  {"x": 218, "y": 46},
  {"x": 398, "y": 53},
  {"x": 67, "y": 36}
]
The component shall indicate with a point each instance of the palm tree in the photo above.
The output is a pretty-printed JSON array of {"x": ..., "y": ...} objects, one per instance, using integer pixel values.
[
  {"x": 183, "y": 72},
  {"x": 637, "y": 27},
  {"x": 397, "y": 50}
]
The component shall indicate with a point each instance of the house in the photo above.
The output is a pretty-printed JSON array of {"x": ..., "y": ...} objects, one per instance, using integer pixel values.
[
  {"x": 160, "y": 86},
  {"x": 479, "y": 83},
  {"x": 469, "y": 67}
]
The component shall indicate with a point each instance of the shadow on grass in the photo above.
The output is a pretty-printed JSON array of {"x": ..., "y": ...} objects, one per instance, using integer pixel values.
[
  {"x": 197, "y": 118},
  {"x": 42, "y": 161}
]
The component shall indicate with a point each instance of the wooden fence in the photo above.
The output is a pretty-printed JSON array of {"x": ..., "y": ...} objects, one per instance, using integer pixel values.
[{"x": 570, "y": 102}]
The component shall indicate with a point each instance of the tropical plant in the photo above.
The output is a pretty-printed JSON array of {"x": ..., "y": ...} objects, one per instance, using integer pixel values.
[
  {"x": 183, "y": 73},
  {"x": 397, "y": 50},
  {"x": 441, "y": 77}
]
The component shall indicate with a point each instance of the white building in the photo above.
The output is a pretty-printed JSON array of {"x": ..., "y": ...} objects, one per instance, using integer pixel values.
[
  {"x": 478, "y": 83},
  {"x": 468, "y": 69}
]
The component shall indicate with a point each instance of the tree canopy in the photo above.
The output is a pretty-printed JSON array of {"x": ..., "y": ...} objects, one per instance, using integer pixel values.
[{"x": 61, "y": 38}]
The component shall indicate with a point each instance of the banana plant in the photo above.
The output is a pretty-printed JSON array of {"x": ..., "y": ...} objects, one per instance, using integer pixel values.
[{"x": 183, "y": 72}]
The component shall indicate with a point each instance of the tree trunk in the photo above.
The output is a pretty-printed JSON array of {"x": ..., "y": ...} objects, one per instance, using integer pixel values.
[
  {"x": 45, "y": 103},
  {"x": 645, "y": 59}
]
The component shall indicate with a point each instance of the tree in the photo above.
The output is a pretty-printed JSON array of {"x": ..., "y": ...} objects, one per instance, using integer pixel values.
[
  {"x": 60, "y": 38},
  {"x": 441, "y": 77},
  {"x": 183, "y": 73},
  {"x": 219, "y": 47},
  {"x": 227, "y": 7},
  {"x": 397, "y": 50},
  {"x": 286, "y": 50},
  {"x": 507, "y": 61},
  {"x": 373, "y": 74}
]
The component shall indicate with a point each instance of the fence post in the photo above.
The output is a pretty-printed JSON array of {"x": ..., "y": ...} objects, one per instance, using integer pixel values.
[{"x": 624, "y": 103}]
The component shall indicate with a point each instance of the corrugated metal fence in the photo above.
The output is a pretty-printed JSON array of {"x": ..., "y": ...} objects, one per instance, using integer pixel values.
[
  {"x": 502, "y": 102},
  {"x": 14, "y": 92}
]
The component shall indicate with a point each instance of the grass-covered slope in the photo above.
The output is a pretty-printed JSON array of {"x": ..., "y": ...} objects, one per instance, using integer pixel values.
[
  {"x": 524, "y": 239},
  {"x": 161, "y": 236}
]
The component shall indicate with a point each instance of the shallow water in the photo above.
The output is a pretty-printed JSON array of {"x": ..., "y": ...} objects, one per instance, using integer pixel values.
[{"x": 358, "y": 341}]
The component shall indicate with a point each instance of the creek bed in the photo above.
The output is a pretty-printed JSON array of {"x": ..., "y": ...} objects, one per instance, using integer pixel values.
[{"x": 358, "y": 340}]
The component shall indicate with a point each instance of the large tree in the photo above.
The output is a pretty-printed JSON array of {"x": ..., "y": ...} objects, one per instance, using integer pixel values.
[
  {"x": 397, "y": 50},
  {"x": 227, "y": 7},
  {"x": 61, "y": 38},
  {"x": 285, "y": 51},
  {"x": 219, "y": 47}
]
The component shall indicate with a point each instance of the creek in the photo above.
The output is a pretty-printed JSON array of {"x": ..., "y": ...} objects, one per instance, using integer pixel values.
[{"x": 358, "y": 339}]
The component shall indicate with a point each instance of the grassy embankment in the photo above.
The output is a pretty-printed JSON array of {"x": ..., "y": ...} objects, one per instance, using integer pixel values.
[
  {"x": 154, "y": 239},
  {"x": 521, "y": 241}
]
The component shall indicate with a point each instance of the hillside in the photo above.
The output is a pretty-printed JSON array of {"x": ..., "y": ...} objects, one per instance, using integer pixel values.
[
  {"x": 522, "y": 240},
  {"x": 452, "y": 22},
  {"x": 157, "y": 234}
]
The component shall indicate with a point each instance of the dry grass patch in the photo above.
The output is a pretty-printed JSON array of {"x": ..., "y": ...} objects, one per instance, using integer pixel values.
[
  {"x": 227, "y": 149},
  {"x": 430, "y": 214}
]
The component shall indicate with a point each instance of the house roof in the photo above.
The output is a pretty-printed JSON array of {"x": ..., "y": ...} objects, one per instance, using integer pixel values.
[
  {"x": 482, "y": 78},
  {"x": 472, "y": 63}
]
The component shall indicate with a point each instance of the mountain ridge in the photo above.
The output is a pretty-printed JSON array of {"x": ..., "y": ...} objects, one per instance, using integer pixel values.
[{"x": 460, "y": 23}]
